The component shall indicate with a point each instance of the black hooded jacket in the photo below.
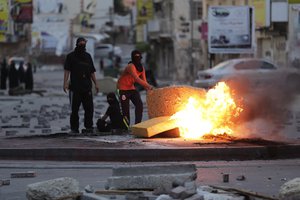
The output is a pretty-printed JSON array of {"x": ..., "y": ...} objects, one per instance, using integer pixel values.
[{"x": 81, "y": 66}]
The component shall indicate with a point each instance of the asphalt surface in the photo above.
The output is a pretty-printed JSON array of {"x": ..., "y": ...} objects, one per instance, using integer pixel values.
[
  {"x": 35, "y": 127},
  {"x": 263, "y": 177}
]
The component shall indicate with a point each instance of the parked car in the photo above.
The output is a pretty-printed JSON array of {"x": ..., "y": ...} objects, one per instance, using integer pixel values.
[
  {"x": 17, "y": 61},
  {"x": 252, "y": 72},
  {"x": 107, "y": 50}
]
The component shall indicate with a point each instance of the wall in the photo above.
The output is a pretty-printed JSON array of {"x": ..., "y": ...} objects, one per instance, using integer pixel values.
[{"x": 181, "y": 44}]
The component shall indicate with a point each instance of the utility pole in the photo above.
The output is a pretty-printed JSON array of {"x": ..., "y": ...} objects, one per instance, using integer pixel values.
[
  {"x": 113, "y": 33},
  {"x": 192, "y": 37},
  {"x": 10, "y": 29}
]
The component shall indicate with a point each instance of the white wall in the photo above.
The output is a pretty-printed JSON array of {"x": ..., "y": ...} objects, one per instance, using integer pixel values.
[{"x": 101, "y": 14}]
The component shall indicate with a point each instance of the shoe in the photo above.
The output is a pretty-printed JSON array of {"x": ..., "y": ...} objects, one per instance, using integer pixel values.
[
  {"x": 87, "y": 131},
  {"x": 74, "y": 132}
]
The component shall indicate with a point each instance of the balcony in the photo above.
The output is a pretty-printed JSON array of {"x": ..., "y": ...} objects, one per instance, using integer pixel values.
[{"x": 160, "y": 28}]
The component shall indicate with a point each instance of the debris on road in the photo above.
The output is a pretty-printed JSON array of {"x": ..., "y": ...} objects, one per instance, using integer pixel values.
[
  {"x": 150, "y": 177},
  {"x": 241, "y": 178},
  {"x": 290, "y": 190},
  {"x": 4, "y": 182},
  {"x": 243, "y": 192},
  {"x": 28, "y": 174},
  {"x": 60, "y": 188},
  {"x": 153, "y": 126}
]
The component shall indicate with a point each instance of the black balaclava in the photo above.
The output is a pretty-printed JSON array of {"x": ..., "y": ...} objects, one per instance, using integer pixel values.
[
  {"x": 111, "y": 98},
  {"x": 136, "y": 57},
  {"x": 80, "y": 48}
]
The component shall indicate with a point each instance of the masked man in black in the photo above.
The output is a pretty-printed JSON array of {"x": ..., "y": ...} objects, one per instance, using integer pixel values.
[{"x": 80, "y": 67}]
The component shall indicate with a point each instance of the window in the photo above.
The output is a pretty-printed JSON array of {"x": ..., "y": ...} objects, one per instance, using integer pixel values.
[
  {"x": 196, "y": 10},
  {"x": 246, "y": 65},
  {"x": 266, "y": 65}
]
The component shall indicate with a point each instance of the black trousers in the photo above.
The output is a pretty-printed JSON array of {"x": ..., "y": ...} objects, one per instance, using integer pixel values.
[
  {"x": 86, "y": 99},
  {"x": 135, "y": 98}
]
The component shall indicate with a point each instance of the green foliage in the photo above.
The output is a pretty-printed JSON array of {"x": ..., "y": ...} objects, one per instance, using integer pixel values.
[
  {"x": 142, "y": 46},
  {"x": 119, "y": 8}
]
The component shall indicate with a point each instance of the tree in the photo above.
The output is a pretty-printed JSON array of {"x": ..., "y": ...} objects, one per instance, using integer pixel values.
[{"x": 119, "y": 8}]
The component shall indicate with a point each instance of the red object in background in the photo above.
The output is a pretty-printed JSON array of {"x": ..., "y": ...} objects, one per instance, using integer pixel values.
[
  {"x": 204, "y": 31},
  {"x": 22, "y": 12}
]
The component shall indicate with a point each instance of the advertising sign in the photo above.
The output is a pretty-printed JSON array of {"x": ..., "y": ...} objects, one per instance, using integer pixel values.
[
  {"x": 262, "y": 12},
  {"x": 3, "y": 16},
  {"x": 144, "y": 11},
  {"x": 230, "y": 29},
  {"x": 21, "y": 11}
]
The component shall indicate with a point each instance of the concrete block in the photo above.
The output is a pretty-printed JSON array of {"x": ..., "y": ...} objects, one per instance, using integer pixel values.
[
  {"x": 154, "y": 169},
  {"x": 177, "y": 193},
  {"x": 153, "y": 126},
  {"x": 290, "y": 190},
  {"x": 164, "y": 197},
  {"x": 187, "y": 191},
  {"x": 145, "y": 182},
  {"x": 60, "y": 188},
  {"x": 164, "y": 189},
  {"x": 220, "y": 195},
  {"x": 89, "y": 189},
  {"x": 169, "y": 100},
  {"x": 4, "y": 182},
  {"x": 107, "y": 84},
  {"x": 191, "y": 188},
  {"x": 11, "y": 133},
  {"x": 195, "y": 197},
  {"x": 28, "y": 174},
  {"x": 150, "y": 177}
]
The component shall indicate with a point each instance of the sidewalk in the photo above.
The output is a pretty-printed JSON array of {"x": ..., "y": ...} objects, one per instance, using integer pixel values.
[{"x": 35, "y": 127}]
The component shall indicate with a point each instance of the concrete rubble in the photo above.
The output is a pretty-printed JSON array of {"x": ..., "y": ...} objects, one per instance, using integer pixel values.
[
  {"x": 56, "y": 189},
  {"x": 174, "y": 188},
  {"x": 150, "y": 177},
  {"x": 36, "y": 115},
  {"x": 290, "y": 190}
]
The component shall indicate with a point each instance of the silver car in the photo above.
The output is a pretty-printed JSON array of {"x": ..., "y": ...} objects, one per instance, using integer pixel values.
[{"x": 255, "y": 73}]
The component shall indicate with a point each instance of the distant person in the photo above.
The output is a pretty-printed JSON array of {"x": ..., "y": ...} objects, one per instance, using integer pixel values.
[
  {"x": 80, "y": 67},
  {"x": 101, "y": 64},
  {"x": 13, "y": 76},
  {"x": 118, "y": 62},
  {"x": 28, "y": 77},
  {"x": 133, "y": 73},
  {"x": 4, "y": 74},
  {"x": 143, "y": 11},
  {"x": 113, "y": 112},
  {"x": 21, "y": 72}
]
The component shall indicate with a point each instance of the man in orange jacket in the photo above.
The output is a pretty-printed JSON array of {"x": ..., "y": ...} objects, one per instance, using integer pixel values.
[{"x": 133, "y": 73}]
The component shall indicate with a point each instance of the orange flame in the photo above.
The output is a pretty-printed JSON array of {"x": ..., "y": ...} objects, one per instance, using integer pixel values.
[{"x": 213, "y": 114}]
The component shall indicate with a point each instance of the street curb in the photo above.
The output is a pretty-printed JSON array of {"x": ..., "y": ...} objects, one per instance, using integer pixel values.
[{"x": 270, "y": 152}]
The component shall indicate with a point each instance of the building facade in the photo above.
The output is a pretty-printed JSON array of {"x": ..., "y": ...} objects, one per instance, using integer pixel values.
[
  {"x": 178, "y": 33},
  {"x": 175, "y": 39}
]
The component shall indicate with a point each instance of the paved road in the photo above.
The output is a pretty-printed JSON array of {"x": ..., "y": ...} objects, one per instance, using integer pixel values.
[
  {"x": 36, "y": 115},
  {"x": 264, "y": 177},
  {"x": 33, "y": 114}
]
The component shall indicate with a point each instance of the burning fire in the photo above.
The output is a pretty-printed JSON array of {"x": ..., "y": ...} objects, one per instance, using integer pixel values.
[{"x": 213, "y": 114}]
